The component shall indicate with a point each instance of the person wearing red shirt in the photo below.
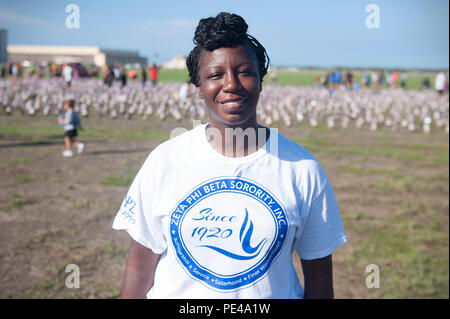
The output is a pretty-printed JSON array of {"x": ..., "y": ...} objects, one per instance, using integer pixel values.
[{"x": 154, "y": 74}]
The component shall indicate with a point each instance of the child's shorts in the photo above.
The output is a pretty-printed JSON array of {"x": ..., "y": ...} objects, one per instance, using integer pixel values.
[{"x": 71, "y": 133}]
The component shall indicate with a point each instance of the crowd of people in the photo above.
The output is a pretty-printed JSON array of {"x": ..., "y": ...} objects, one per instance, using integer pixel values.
[
  {"x": 28, "y": 69},
  {"x": 118, "y": 73},
  {"x": 74, "y": 70},
  {"x": 377, "y": 80},
  {"x": 394, "y": 108}
]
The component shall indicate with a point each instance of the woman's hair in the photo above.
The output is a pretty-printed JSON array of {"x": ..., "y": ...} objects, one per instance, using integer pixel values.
[{"x": 225, "y": 30}]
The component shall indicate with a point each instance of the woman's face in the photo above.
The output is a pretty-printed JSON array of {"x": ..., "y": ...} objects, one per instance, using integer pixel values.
[{"x": 230, "y": 85}]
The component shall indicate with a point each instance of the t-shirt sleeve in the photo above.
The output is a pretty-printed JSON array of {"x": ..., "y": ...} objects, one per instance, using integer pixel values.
[
  {"x": 323, "y": 230},
  {"x": 136, "y": 215}
]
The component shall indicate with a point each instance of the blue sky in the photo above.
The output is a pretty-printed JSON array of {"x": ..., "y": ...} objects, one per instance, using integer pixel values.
[{"x": 324, "y": 33}]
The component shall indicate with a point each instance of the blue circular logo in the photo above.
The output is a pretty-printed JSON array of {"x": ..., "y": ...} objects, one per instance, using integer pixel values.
[{"x": 227, "y": 232}]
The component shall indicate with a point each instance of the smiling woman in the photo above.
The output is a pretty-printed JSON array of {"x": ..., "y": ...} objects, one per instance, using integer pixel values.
[
  {"x": 228, "y": 66},
  {"x": 222, "y": 221}
]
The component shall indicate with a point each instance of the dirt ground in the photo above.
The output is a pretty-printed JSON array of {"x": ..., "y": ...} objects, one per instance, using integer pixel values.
[{"x": 57, "y": 211}]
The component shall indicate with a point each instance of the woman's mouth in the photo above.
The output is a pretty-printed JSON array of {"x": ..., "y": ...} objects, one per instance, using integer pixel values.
[{"x": 233, "y": 105}]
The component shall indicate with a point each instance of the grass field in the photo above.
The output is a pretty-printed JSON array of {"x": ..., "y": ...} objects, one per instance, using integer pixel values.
[
  {"x": 392, "y": 190},
  {"x": 300, "y": 78},
  {"x": 297, "y": 78}
]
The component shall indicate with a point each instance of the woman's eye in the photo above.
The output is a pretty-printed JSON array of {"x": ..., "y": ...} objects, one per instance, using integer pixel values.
[
  {"x": 246, "y": 72},
  {"x": 214, "y": 75}
]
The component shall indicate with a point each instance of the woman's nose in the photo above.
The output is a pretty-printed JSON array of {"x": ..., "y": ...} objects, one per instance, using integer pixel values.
[{"x": 232, "y": 82}]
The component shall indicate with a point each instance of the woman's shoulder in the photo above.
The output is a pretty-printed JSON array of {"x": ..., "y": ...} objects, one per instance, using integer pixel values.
[
  {"x": 180, "y": 142},
  {"x": 307, "y": 169}
]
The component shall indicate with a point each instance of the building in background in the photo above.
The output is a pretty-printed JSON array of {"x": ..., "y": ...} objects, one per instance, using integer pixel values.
[
  {"x": 3, "y": 45},
  {"x": 42, "y": 54},
  {"x": 178, "y": 62}
]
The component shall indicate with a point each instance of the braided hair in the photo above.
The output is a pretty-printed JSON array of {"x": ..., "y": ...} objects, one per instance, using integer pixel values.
[{"x": 225, "y": 30}]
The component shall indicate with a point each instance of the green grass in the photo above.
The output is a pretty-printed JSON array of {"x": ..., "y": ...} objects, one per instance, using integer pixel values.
[
  {"x": 114, "y": 251},
  {"x": 136, "y": 133},
  {"x": 93, "y": 129},
  {"x": 18, "y": 202},
  {"x": 405, "y": 235},
  {"x": 173, "y": 75},
  {"x": 18, "y": 160},
  {"x": 401, "y": 248},
  {"x": 406, "y": 154},
  {"x": 308, "y": 78},
  {"x": 119, "y": 179},
  {"x": 394, "y": 208},
  {"x": 298, "y": 78},
  {"x": 24, "y": 178},
  {"x": 403, "y": 184},
  {"x": 27, "y": 130},
  {"x": 106, "y": 291}
]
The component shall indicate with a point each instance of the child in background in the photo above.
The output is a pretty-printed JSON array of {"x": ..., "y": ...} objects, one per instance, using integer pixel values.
[{"x": 71, "y": 122}]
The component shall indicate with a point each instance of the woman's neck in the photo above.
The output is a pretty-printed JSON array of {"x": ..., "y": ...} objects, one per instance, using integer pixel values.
[{"x": 236, "y": 141}]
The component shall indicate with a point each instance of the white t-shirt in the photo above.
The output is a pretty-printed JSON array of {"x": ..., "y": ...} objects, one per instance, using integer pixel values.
[
  {"x": 439, "y": 83},
  {"x": 226, "y": 227},
  {"x": 67, "y": 72},
  {"x": 72, "y": 120}
]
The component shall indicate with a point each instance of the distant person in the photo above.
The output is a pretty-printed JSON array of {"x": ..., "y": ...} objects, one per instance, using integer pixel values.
[
  {"x": 394, "y": 79},
  {"x": 403, "y": 78},
  {"x": 326, "y": 80},
  {"x": 116, "y": 71},
  {"x": 185, "y": 91},
  {"x": 108, "y": 80},
  {"x": 132, "y": 74},
  {"x": 71, "y": 122},
  {"x": 143, "y": 76},
  {"x": 14, "y": 71},
  {"x": 338, "y": 78},
  {"x": 68, "y": 74},
  {"x": 332, "y": 83},
  {"x": 76, "y": 73},
  {"x": 123, "y": 77},
  {"x": 349, "y": 80},
  {"x": 54, "y": 69},
  {"x": 93, "y": 71},
  {"x": 335, "y": 79},
  {"x": 426, "y": 84},
  {"x": 366, "y": 80},
  {"x": 439, "y": 82},
  {"x": 389, "y": 79},
  {"x": 374, "y": 77},
  {"x": 381, "y": 79},
  {"x": 154, "y": 74}
]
